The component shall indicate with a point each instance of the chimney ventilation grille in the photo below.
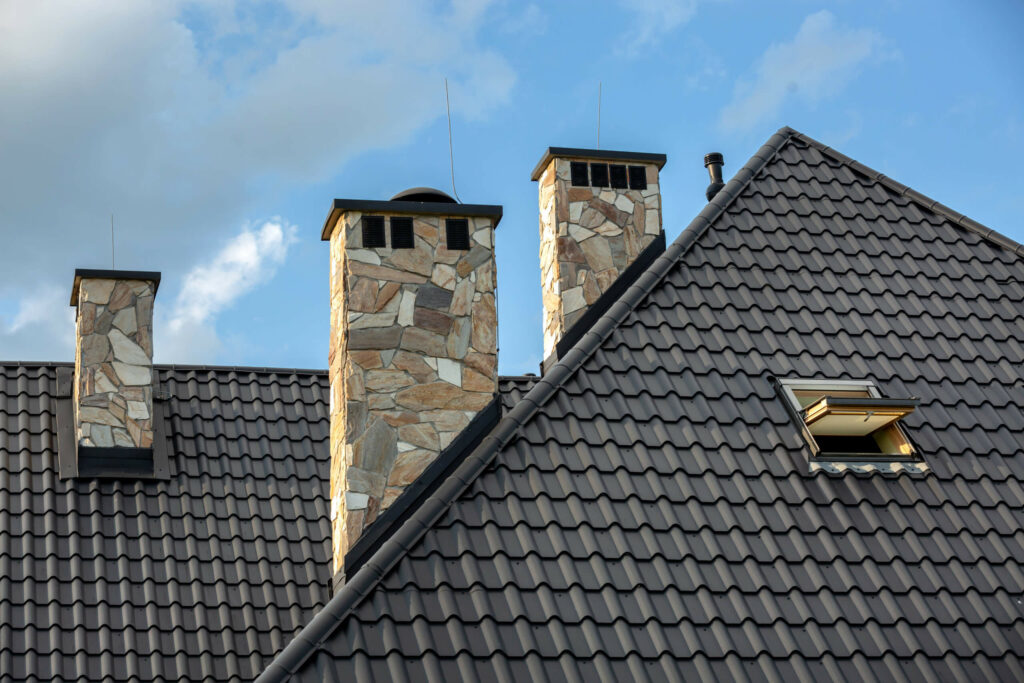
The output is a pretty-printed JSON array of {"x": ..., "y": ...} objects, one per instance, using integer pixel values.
[
  {"x": 401, "y": 233},
  {"x": 373, "y": 232},
  {"x": 457, "y": 233},
  {"x": 599, "y": 175},
  {"x": 637, "y": 178},
  {"x": 578, "y": 171},
  {"x": 618, "y": 173}
]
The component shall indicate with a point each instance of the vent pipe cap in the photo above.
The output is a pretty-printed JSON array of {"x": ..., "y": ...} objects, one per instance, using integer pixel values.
[{"x": 714, "y": 162}]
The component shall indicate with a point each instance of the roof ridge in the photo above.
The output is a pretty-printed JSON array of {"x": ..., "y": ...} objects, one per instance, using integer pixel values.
[
  {"x": 913, "y": 195},
  {"x": 303, "y": 646}
]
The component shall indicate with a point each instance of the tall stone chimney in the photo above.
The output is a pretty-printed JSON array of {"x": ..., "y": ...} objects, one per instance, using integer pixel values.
[
  {"x": 112, "y": 391},
  {"x": 413, "y": 351},
  {"x": 598, "y": 211}
]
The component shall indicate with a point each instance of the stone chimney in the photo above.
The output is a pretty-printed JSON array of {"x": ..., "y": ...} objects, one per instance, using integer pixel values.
[
  {"x": 413, "y": 350},
  {"x": 598, "y": 211},
  {"x": 112, "y": 391}
]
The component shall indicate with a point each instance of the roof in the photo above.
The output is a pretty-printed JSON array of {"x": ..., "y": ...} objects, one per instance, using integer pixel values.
[
  {"x": 647, "y": 511},
  {"x": 203, "y": 577}
]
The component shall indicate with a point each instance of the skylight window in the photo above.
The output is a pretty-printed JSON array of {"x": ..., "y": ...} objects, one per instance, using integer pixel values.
[{"x": 850, "y": 420}]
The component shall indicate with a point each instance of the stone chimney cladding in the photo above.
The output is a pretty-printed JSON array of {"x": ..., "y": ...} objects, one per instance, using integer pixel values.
[
  {"x": 413, "y": 358},
  {"x": 588, "y": 237},
  {"x": 113, "y": 388}
]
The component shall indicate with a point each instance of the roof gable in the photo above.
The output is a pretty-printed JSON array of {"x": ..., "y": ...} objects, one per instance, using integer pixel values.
[{"x": 646, "y": 509}]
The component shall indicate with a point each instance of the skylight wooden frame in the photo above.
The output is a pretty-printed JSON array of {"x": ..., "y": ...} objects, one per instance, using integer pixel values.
[{"x": 900, "y": 447}]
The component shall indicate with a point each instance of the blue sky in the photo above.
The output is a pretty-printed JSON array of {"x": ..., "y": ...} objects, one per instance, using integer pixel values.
[{"x": 218, "y": 133}]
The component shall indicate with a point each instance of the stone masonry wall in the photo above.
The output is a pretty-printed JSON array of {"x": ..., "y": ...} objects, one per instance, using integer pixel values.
[
  {"x": 588, "y": 236},
  {"x": 114, "y": 362},
  {"x": 413, "y": 357}
]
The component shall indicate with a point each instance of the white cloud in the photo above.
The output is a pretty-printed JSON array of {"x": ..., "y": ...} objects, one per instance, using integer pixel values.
[
  {"x": 652, "y": 19},
  {"x": 43, "y": 322},
  {"x": 184, "y": 116},
  {"x": 817, "y": 63},
  {"x": 187, "y": 332}
]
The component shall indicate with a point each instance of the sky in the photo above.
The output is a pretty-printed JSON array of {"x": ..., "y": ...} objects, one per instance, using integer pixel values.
[{"x": 217, "y": 134}]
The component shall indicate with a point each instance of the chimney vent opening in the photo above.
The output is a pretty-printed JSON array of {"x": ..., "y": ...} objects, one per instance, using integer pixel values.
[
  {"x": 578, "y": 171},
  {"x": 599, "y": 175},
  {"x": 457, "y": 234},
  {"x": 637, "y": 178},
  {"x": 618, "y": 176},
  {"x": 401, "y": 233},
  {"x": 373, "y": 232}
]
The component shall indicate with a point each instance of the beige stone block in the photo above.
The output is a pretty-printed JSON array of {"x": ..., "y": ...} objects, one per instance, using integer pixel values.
[
  {"x": 483, "y": 237},
  {"x": 475, "y": 381},
  {"x": 367, "y": 320},
  {"x": 428, "y": 396},
  {"x": 409, "y": 466},
  {"x": 458, "y": 339},
  {"x": 101, "y": 436},
  {"x": 133, "y": 375},
  {"x": 423, "y": 341},
  {"x": 415, "y": 365},
  {"x": 138, "y": 410},
  {"x": 463, "y": 297},
  {"x": 95, "y": 290},
  {"x": 484, "y": 363},
  {"x": 391, "y": 494},
  {"x": 383, "y": 273},
  {"x": 573, "y": 300},
  {"x": 485, "y": 277},
  {"x": 363, "y": 256},
  {"x": 387, "y": 380},
  {"x": 422, "y": 434},
  {"x": 426, "y": 230},
  {"x": 433, "y": 320},
  {"x": 363, "y": 295},
  {"x": 447, "y": 420},
  {"x": 386, "y": 294},
  {"x": 419, "y": 260},
  {"x": 484, "y": 337},
  {"x": 598, "y": 254},
  {"x": 470, "y": 400},
  {"x": 366, "y": 359},
  {"x": 127, "y": 351},
  {"x": 121, "y": 296},
  {"x": 444, "y": 276},
  {"x": 449, "y": 371},
  {"x": 624, "y": 203},
  {"x": 378, "y": 402},
  {"x": 398, "y": 418},
  {"x": 406, "y": 309},
  {"x": 95, "y": 350},
  {"x": 608, "y": 229},
  {"x": 124, "y": 321}
]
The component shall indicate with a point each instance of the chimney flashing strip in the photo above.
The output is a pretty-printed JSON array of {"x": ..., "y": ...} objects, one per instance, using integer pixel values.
[
  {"x": 421, "y": 488},
  {"x": 605, "y": 301},
  {"x": 575, "y": 153},
  {"x": 340, "y": 206},
  {"x": 107, "y": 274}
]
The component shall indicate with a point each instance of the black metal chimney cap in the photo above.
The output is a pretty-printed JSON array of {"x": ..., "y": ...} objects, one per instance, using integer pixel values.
[
  {"x": 423, "y": 194},
  {"x": 714, "y": 158}
]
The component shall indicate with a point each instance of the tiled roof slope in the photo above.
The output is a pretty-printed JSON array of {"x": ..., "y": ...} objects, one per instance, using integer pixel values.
[
  {"x": 646, "y": 511},
  {"x": 200, "y": 578}
]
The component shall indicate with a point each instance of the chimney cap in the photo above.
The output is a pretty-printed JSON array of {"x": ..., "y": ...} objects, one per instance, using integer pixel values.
[
  {"x": 108, "y": 274},
  {"x": 423, "y": 194},
  {"x": 403, "y": 206},
  {"x": 595, "y": 154},
  {"x": 714, "y": 158}
]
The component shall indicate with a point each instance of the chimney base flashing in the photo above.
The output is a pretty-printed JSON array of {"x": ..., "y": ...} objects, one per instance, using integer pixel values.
[{"x": 604, "y": 302}]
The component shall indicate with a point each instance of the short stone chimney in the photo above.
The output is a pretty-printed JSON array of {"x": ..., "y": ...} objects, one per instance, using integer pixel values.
[
  {"x": 413, "y": 350},
  {"x": 598, "y": 211},
  {"x": 112, "y": 391}
]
